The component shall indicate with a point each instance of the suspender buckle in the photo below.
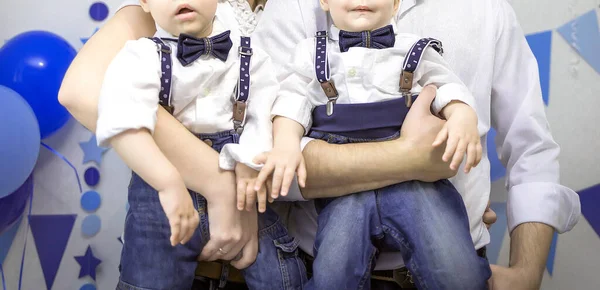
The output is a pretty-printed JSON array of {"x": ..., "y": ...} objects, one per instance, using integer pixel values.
[
  {"x": 406, "y": 81},
  {"x": 321, "y": 34},
  {"x": 247, "y": 51},
  {"x": 163, "y": 48}
]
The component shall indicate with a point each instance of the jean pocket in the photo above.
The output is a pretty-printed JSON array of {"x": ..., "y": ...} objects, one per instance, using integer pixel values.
[{"x": 293, "y": 270}]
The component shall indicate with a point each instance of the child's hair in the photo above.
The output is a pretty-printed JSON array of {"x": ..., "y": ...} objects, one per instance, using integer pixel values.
[{"x": 244, "y": 15}]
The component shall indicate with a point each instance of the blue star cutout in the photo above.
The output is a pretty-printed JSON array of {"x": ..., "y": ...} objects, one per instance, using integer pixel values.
[
  {"x": 88, "y": 264},
  {"x": 91, "y": 151},
  {"x": 85, "y": 39}
]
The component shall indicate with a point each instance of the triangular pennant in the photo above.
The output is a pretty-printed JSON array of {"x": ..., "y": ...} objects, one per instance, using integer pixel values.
[
  {"x": 583, "y": 35},
  {"x": 7, "y": 237},
  {"x": 51, "y": 234},
  {"x": 541, "y": 45},
  {"x": 497, "y": 232},
  {"x": 590, "y": 203},
  {"x": 552, "y": 254}
]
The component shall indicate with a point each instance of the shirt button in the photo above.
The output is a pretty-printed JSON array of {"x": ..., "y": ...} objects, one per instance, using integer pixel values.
[
  {"x": 352, "y": 73},
  {"x": 206, "y": 91}
]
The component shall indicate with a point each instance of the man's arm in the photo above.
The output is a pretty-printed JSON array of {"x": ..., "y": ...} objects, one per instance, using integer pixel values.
[
  {"x": 537, "y": 203},
  {"x": 336, "y": 170},
  {"x": 81, "y": 87}
]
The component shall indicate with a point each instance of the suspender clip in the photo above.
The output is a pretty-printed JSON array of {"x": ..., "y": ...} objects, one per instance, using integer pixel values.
[
  {"x": 163, "y": 48},
  {"x": 332, "y": 95},
  {"x": 239, "y": 113},
  {"x": 406, "y": 81}
]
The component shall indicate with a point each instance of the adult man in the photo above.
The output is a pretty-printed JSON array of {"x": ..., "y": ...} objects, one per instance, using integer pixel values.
[{"x": 485, "y": 46}]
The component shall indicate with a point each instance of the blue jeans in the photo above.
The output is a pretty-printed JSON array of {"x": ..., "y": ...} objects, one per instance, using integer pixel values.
[
  {"x": 148, "y": 261},
  {"x": 426, "y": 222}
]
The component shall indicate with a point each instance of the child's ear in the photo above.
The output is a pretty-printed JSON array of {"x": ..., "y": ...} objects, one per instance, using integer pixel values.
[
  {"x": 324, "y": 4},
  {"x": 145, "y": 5}
]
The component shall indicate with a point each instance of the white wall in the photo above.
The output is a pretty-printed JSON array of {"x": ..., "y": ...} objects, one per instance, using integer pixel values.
[{"x": 574, "y": 97}]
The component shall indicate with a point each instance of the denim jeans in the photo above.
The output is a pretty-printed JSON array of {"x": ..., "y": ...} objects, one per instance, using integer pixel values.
[
  {"x": 426, "y": 222},
  {"x": 148, "y": 261}
]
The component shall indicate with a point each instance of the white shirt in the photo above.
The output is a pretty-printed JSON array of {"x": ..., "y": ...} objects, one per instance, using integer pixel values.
[
  {"x": 203, "y": 92},
  {"x": 362, "y": 75},
  {"x": 486, "y": 48}
]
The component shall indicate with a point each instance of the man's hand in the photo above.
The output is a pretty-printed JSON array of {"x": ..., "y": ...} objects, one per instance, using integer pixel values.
[
  {"x": 230, "y": 230},
  {"x": 420, "y": 129}
]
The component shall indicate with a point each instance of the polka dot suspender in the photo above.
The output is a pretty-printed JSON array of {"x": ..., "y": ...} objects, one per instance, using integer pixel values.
[{"x": 411, "y": 63}]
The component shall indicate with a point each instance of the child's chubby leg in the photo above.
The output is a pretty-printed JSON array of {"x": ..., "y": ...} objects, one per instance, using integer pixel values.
[
  {"x": 148, "y": 261},
  {"x": 344, "y": 250},
  {"x": 278, "y": 264},
  {"x": 428, "y": 224}
]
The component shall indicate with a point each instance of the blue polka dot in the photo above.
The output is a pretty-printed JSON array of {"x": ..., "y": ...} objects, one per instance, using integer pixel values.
[
  {"x": 90, "y": 225},
  {"x": 99, "y": 11},
  {"x": 88, "y": 287},
  {"x": 92, "y": 176},
  {"x": 90, "y": 201}
]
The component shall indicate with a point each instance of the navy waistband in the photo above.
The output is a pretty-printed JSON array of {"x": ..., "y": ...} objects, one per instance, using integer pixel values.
[{"x": 369, "y": 120}]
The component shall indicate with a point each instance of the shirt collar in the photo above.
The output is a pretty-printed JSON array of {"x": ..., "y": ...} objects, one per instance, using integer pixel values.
[
  {"x": 334, "y": 32},
  {"x": 405, "y": 5}
]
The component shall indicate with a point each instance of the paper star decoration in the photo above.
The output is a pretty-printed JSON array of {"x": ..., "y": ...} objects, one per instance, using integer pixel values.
[
  {"x": 85, "y": 39},
  {"x": 88, "y": 264},
  {"x": 91, "y": 151}
]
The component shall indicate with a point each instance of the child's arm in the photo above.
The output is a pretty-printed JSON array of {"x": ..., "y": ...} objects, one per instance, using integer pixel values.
[
  {"x": 140, "y": 153},
  {"x": 455, "y": 103},
  {"x": 126, "y": 115}
]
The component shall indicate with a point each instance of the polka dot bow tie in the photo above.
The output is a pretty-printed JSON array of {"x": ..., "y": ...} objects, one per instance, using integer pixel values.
[
  {"x": 379, "y": 38},
  {"x": 190, "y": 48}
]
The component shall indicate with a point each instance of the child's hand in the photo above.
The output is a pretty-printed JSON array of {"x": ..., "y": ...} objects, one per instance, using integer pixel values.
[
  {"x": 462, "y": 136},
  {"x": 282, "y": 162},
  {"x": 181, "y": 213},
  {"x": 247, "y": 195}
]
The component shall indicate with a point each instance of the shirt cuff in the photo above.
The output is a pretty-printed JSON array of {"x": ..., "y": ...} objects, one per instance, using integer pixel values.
[
  {"x": 295, "y": 108},
  {"x": 231, "y": 154},
  {"x": 543, "y": 202},
  {"x": 108, "y": 126},
  {"x": 452, "y": 92}
]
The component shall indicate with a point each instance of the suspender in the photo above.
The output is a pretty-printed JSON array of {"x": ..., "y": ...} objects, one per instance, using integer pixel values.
[
  {"x": 411, "y": 63},
  {"x": 166, "y": 65},
  {"x": 243, "y": 87},
  {"x": 242, "y": 90}
]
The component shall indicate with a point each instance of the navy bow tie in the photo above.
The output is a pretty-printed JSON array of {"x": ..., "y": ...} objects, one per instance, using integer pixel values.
[
  {"x": 380, "y": 38},
  {"x": 190, "y": 48}
]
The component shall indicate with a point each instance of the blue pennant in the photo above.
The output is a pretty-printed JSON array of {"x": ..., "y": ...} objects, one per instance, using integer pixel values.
[
  {"x": 590, "y": 203},
  {"x": 541, "y": 45},
  {"x": 497, "y": 232},
  {"x": 91, "y": 151},
  {"x": 88, "y": 264},
  {"x": 552, "y": 254},
  {"x": 7, "y": 237},
  {"x": 583, "y": 35},
  {"x": 85, "y": 39},
  {"x": 51, "y": 234}
]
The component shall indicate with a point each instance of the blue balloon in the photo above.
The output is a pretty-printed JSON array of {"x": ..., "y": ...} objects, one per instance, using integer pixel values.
[
  {"x": 20, "y": 139},
  {"x": 13, "y": 205},
  {"x": 34, "y": 64}
]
